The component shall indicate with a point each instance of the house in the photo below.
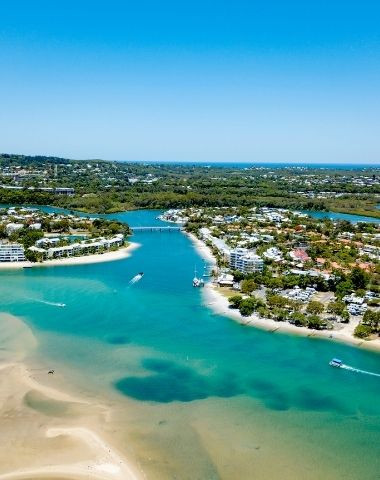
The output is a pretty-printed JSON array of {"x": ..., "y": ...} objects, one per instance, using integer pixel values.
[
  {"x": 225, "y": 280},
  {"x": 35, "y": 226},
  {"x": 273, "y": 254},
  {"x": 299, "y": 255},
  {"x": 13, "y": 227}
]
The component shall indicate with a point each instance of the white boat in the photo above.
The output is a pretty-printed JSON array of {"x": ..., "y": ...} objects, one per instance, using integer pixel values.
[
  {"x": 197, "y": 282},
  {"x": 335, "y": 362},
  {"x": 207, "y": 270}
]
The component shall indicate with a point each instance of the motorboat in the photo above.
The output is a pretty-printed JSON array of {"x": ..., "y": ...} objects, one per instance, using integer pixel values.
[{"x": 335, "y": 362}]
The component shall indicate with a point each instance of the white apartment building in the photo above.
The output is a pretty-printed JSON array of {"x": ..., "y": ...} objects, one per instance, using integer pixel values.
[
  {"x": 85, "y": 247},
  {"x": 245, "y": 261},
  {"x": 12, "y": 252}
]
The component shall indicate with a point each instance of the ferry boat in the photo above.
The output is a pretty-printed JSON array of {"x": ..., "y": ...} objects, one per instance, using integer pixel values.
[
  {"x": 197, "y": 282},
  {"x": 335, "y": 362}
]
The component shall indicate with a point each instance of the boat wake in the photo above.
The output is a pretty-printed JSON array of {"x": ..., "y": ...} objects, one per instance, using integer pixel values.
[
  {"x": 352, "y": 369},
  {"x": 53, "y": 304},
  {"x": 136, "y": 278}
]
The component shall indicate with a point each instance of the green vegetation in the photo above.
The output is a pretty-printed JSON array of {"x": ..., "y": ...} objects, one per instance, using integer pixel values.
[
  {"x": 362, "y": 331},
  {"x": 369, "y": 325},
  {"x": 280, "y": 309},
  {"x": 315, "y": 308},
  {"x": 106, "y": 187}
]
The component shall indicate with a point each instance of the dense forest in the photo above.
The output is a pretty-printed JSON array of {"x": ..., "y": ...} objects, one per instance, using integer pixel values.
[{"x": 102, "y": 186}]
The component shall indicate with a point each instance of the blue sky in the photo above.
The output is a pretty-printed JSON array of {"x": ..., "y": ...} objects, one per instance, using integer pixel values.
[{"x": 273, "y": 81}]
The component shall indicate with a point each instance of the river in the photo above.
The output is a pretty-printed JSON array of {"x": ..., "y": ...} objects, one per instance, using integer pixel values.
[{"x": 204, "y": 397}]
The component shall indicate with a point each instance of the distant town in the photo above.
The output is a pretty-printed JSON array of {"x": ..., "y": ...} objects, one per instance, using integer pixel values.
[
  {"x": 285, "y": 265},
  {"x": 99, "y": 186}
]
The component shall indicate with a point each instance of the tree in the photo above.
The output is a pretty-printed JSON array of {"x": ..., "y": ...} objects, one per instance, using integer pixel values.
[
  {"x": 280, "y": 314},
  {"x": 263, "y": 311},
  {"x": 315, "y": 308},
  {"x": 359, "y": 278},
  {"x": 362, "y": 331},
  {"x": 336, "y": 308},
  {"x": 247, "y": 307},
  {"x": 298, "y": 319},
  {"x": 313, "y": 321},
  {"x": 371, "y": 319},
  {"x": 344, "y": 288},
  {"x": 248, "y": 286},
  {"x": 276, "y": 301},
  {"x": 238, "y": 276},
  {"x": 345, "y": 316},
  {"x": 294, "y": 305},
  {"x": 235, "y": 301}
]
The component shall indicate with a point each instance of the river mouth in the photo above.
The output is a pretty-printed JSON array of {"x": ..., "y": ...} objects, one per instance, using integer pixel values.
[{"x": 193, "y": 394}]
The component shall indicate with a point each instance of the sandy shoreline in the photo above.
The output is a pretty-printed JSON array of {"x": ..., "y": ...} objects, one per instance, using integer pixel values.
[
  {"x": 71, "y": 261},
  {"x": 219, "y": 304},
  {"x": 51, "y": 433},
  {"x": 82, "y": 453},
  {"x": 203, "y": 250}
]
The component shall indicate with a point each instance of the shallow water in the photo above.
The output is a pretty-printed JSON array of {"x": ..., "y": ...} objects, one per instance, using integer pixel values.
[
  {"x": 200, "y": 396},
  {"x": 341, "y": 216}
]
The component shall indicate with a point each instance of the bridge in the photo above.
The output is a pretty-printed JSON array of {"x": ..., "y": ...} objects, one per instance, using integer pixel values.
[{"x": 156, "y": 229}]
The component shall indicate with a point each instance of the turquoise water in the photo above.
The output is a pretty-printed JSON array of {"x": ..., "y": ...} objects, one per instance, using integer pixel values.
[
  {"x": 210, "y": 398},
  {"x": 341, "y": 216}
]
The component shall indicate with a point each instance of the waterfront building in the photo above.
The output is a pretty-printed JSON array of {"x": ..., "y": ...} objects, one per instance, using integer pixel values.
[
  {"x": 225, "y": 280},
  {"x": 245, "y": 261},
  {"x": 84, "y": 248},
  {"x": 12, "y": 252}
]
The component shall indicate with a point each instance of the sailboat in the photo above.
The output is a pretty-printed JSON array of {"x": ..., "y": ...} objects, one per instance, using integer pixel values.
[{"x": 197, "y": 282}]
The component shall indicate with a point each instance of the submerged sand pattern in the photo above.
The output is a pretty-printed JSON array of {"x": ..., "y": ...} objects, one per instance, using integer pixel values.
[{"x": 49, "y": 433}]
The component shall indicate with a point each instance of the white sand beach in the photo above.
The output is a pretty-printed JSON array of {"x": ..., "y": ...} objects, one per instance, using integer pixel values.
[
  {"x": 71, "y": 261},
  {"x": 52, "y": 434},
  {"x": 203, "y": 250},
  {"x": 219, "y": 304}
]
